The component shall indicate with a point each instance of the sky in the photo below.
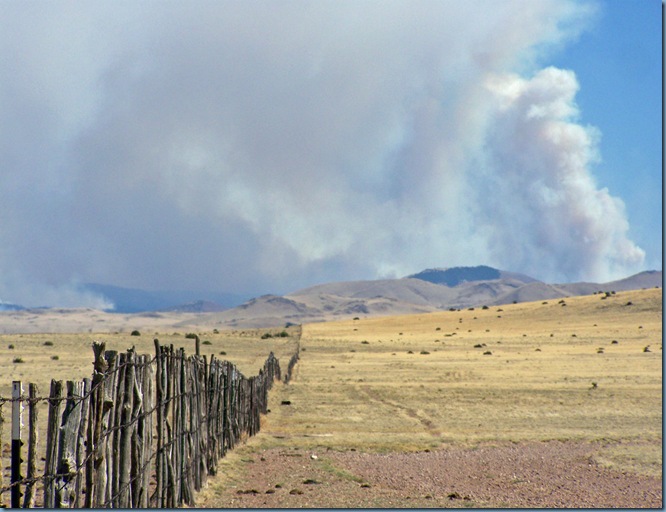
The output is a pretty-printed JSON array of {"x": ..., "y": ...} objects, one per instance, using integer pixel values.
[{"x": 263, "y": 146}]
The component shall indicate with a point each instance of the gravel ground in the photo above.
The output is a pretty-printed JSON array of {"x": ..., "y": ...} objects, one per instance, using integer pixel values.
[{"x": 533, "y": 475}]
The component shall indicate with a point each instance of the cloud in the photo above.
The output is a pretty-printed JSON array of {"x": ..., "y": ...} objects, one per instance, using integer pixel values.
[{"x": 263, "y": 146}]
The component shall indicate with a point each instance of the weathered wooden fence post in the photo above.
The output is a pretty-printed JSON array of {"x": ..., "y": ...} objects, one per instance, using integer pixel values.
[
  {"x": 68, "y": 467},
  {"x": 105, "y": 454},
  {"x": 52, "y": 442},
  {"x": 94, "y": 448},
  {"x": 29, "y": 498},
  {"x": 124, "y": 454},
  {"x": 17, "y": 427}
]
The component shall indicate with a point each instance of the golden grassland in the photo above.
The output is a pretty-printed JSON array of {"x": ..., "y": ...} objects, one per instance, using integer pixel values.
[
  {"x": 70, "y": 357},
  {"x": 587, "y": 370}
]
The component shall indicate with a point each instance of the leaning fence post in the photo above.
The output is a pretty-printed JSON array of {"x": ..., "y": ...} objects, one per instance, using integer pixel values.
[{"x": 17, "y": 425}]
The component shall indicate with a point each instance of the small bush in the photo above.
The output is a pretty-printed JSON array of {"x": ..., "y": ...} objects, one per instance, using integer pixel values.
[
  {"x": 191, "y": 336},
  {"x": 266, "y": 335},
  {"x": 365, "y": 342},
  {"x": 216, "y": 331},
  {"x": 10, "y": 346},
  {"x": 283, "y": 334},
  {"x": 425, "y": 352},
  {"x": 484, "y": 307},
  {"x": 135, "y": 333},
  {"x": 223, "y": 353},
  {"x": 55, "y": 358},
  {"x": 48, "y": 343},
  {"x": 18, "y": 360},
  {"x": 487, "y": 353},
  {"x": 206, "y": 342}
]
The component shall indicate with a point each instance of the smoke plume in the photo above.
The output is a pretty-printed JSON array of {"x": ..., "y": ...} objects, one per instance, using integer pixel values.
[{"x": 258, "y": 147}]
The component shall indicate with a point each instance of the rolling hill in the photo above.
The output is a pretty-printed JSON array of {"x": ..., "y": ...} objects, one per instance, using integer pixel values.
[{"x": 423, "y": 292}]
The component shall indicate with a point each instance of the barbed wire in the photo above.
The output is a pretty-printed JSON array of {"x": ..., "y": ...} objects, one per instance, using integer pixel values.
[{"x": 190, "y": 381}]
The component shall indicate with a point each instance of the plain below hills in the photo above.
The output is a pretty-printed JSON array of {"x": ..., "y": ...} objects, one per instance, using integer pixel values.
[{"x": 427, "y": 291}]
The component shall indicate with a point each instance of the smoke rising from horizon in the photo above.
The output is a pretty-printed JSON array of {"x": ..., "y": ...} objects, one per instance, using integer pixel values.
[{"x": 265, "y": 146}]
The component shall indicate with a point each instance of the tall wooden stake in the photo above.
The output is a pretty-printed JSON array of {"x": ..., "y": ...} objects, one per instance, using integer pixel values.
[{"x": 17, "y": 424}]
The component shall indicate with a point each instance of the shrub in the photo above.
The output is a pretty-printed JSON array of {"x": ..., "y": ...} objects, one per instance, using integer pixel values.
[
  {"x": 10, "y": 346},
  {"x": 223, "y": 353},
  {"x": 55, "y": 358},
  {"x": 283, "y": 334},
  {"x": 206, "y": 342},
  {"x": 191, "y": 336},
  {"x": 18, "y": 360},
  {"x": 266, "y": 335},
  {"x": 135, "y": 333},
  {"x": 216, "y": 331},
  {"x": 48, "y": 343}
]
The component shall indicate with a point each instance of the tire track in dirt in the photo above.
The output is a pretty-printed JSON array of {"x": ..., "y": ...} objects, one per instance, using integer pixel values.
[{"x": 421, "y": 417}]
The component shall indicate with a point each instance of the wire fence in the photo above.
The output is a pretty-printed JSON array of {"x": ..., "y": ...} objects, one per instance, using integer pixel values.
[{"x": 143, "y": 432}]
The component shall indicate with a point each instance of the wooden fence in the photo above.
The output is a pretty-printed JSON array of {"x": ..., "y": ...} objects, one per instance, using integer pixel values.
[{"x": 142, "y": 432}]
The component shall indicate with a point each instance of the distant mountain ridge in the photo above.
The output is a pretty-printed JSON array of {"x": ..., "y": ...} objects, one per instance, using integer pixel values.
[
  {"x": 133, "y": 300},
  {"x": 426, "y": 291},
  {"x": 430, "y": 290},
  {"x": 6, "y": 306},
  {"x": 458, "y": 275}
]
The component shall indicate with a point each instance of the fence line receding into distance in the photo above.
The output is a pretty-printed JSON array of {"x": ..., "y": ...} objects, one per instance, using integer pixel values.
[{"x": 143, "y": 432}]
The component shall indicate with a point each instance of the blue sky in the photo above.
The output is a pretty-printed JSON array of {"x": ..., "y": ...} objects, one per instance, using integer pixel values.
[
  {"x": 618, "y": 63},
  {"x": 265, "y": 146}
]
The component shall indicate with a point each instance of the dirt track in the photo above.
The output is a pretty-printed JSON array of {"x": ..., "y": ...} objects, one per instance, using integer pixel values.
[{"x": 534, "y": 475}]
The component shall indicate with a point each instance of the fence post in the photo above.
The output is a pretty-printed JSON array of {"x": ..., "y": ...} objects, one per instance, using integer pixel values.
[
  {"x": 29, "y": 498},
  {"x": 52, "y": 441},
  {"x": 17, "y": 425}
]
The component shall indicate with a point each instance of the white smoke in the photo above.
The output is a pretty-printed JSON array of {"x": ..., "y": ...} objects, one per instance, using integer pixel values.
[
  {"x": 263, "y": 146},
  {"x": 538, "y": 184}
]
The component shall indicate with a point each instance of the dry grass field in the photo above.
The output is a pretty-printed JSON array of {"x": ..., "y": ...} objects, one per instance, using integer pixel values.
[
  {"x": 587, "y": 370},
  {"x": 70, "y": 356},
  {"x": 529, "y": 371},
  {"x": 583, "y": 370}
]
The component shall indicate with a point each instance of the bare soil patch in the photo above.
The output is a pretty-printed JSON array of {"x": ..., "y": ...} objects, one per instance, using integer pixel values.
[{"x": 552, "y": 474}]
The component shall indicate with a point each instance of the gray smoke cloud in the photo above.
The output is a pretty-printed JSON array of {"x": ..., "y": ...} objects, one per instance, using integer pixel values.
[{"x": 264, "y": 146}]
